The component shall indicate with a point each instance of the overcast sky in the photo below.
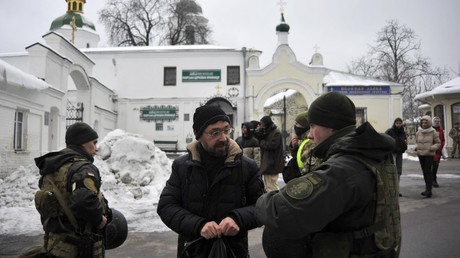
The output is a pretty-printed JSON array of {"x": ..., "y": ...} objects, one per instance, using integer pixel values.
[{"x": 342, "y": 29}]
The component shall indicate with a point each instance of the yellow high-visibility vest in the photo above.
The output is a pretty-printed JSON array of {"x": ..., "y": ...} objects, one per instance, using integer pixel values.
[{"x": 299, "y": 153}]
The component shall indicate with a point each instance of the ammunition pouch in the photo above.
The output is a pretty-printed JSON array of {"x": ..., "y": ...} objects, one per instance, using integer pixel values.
[{"x": 85, "y": 244}]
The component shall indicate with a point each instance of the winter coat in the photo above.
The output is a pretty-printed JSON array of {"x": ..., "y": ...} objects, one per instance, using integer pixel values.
[
  {"x": 188, "y": 200},
  {"x": 272, "y": 158},
  {"x": 399, "y": 135},
  {"x": 427, "y": 140},
  {"x": 338, "y": 196},
  {"x": 438, "y": 154}
]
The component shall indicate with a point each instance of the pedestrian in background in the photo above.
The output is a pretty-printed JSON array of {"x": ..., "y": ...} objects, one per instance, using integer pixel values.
[
  {"x": 427, "y": 143},
  {"x": 272, "y": 156},
  {"x": 248, "y": 143},
  {"x": 437, "y": 156},
  {"x": 301, "y": 162},
  {"x": 454, "y": 133},
  {"x": 399, "y": 135},
  {"x": 212, "y": 190}
]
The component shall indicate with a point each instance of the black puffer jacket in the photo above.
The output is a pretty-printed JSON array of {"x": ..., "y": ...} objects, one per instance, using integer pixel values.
[
  {"x": 188, "y": 200},
  {"x": 339, "y": 195},
  {"x": 399, "y": 135}
]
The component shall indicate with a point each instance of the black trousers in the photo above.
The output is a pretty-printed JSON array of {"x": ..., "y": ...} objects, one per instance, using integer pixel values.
[{"x": 426, "y": 162}]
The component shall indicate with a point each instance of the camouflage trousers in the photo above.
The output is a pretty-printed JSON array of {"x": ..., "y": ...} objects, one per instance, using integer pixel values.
[{"x": 72, "y": 245}]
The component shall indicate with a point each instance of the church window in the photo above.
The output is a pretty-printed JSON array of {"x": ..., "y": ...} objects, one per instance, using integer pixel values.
[
  {"x": 233, "y": 75},
  {"x": 170, "y": 76},
  {"x": 455, "y": 112},
  {"x": 439, "y": 112},
  {"x": 19, "y": 130}
]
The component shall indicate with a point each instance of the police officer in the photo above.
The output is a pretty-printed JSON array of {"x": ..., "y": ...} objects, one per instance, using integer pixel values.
[
  {"x": 333, "y": 207},
  {"x": 73, "y": 182}
]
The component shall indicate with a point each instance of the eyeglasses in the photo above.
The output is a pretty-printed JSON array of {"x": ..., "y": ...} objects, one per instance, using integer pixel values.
[{"x": 217, "y": 133}]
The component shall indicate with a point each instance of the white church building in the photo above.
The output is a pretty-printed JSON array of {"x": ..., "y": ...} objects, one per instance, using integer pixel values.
[{"x": 153, "y": 91}]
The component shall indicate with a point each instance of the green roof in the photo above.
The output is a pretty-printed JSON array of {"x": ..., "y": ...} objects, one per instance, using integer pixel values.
[
  {"x": 67, "y": 18},
  {"x": 283, "y": 26}
]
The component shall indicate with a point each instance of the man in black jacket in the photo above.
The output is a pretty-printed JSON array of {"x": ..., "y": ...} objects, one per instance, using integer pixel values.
[
  {"x": 271, "y": 153},
  {"x": 336, "y": 208},
  {"x": 212, "y": 190}
]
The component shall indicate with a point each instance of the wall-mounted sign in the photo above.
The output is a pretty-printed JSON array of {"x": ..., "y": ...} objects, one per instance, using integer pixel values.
[
  {"x": 201, "y": 76},
  {"x": 159, "y": 113},
  {"x": 361, "y": 90}
]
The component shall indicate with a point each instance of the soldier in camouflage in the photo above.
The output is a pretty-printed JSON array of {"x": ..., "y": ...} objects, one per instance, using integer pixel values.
[{"x": 348, "y": 205}]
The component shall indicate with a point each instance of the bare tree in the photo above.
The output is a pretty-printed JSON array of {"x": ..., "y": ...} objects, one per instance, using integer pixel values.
[
  {"x": 396, "y": 57},
  {"x": 186, "y": 25},
  {"x": 133, "y": 22},
  {"x": 152, "y": 22}
]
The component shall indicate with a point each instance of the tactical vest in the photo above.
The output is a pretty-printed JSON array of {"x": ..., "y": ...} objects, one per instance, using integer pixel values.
[
  {"x": 51, "y": 201},
  {"x": 386, "y": 230}
]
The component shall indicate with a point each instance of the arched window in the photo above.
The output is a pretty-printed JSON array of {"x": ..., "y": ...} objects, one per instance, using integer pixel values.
[
  {"x": 455, "y": 112},
  {"x": 439, "y": 112}
]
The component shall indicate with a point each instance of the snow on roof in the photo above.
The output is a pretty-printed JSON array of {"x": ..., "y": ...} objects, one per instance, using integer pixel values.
[
  {"x": 450, "y": 87},
  {"x": 336, "y": 78},
  {"x": 279, "y": 96},
  {"x": 16, "y": 77},
  {"x": 159, "y": 48}
]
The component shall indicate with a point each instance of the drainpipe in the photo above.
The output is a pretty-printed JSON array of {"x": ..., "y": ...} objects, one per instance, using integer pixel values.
[{"x": 244, "y": 84}]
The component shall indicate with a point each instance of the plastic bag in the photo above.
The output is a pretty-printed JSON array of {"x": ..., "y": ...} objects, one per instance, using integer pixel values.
[
  {"x": 213, "y": 248},
  {"x": 220, "y": 249},
  {"x": 444, "y": 152}
]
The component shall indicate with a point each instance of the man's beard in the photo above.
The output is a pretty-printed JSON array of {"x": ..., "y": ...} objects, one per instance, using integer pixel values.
[{"x": 218, "y": 153}]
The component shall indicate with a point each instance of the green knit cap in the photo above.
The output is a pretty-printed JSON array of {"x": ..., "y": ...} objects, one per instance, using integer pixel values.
[{"x": 302, "y": 119}]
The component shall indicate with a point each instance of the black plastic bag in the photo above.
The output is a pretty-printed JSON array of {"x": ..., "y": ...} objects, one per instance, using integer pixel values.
[
  {"x": 220, "y": 249},
  {"x": 213, "y": 248}
]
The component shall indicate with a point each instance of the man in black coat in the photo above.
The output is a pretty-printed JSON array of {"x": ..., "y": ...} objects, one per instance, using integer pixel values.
[
  {"x": 212, "y": 189},
  {"x": 271, "y": 153}
]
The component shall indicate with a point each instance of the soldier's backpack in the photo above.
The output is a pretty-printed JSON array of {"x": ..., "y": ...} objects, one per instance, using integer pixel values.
[
  {"x": 54, "y": 191},
  {"x": 387, "y": 223},
  {"x": 386, "y": 230}
]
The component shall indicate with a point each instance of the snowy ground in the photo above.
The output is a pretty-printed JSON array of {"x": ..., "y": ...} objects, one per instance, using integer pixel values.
[{"x": 133, "y": 170}]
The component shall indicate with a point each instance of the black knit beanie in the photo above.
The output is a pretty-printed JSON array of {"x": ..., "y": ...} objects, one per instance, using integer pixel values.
[
  {"x": 332, "y": 110},
  {"x": 267, "y": 121},
  {"x": 79, "y": 133},
  {"x": 206, "y": 115}
]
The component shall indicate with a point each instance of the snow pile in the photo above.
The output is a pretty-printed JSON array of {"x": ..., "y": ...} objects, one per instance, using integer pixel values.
[{"x": 133, "y": 172}]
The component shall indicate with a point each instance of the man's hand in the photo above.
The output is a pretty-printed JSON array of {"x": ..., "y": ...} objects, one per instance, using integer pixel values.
[
  {"x": 103, "y": 222},
  {"x": 211, "y": 230},
  {"x": 229, "y": 227},
  {"x": 294, "y": 140}
]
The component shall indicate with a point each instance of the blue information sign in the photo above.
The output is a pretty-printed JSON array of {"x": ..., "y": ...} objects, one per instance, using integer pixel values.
[{"x": 361, "y": 90}]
